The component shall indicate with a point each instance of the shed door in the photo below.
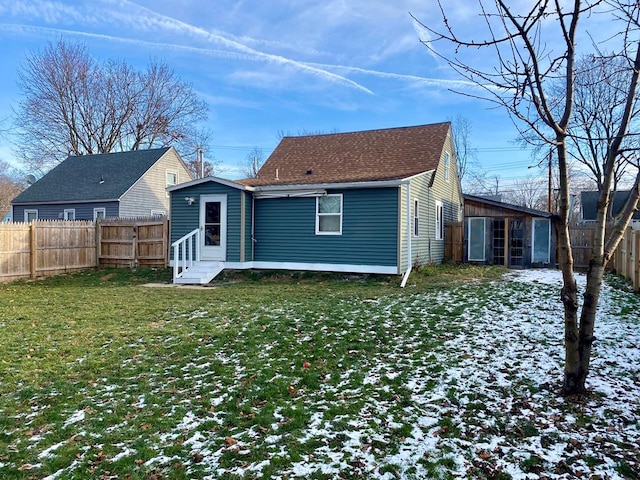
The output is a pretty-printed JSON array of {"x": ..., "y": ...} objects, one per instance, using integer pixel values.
[{"x": 213, "y": 227}]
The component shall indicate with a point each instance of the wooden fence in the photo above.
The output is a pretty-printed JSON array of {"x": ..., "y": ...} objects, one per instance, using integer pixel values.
[
  {"x": 138, "y": 242},
  {"x": 454, "y": 242},
  {"x": 626, "y": 259},
  {"x": 44, "y": 248}
]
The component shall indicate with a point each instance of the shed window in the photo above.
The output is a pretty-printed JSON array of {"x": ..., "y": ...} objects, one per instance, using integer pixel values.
[
  {"x": 329, "y": 215},
  {"x": 541, "y": 240},
  {"x": 416, "y": 219},
  {"x": 439, "y": 221},
  {"x": 69, "y": 213},
  {"x": 476, "y": 239},
  {"x": 30, "y": 215}
]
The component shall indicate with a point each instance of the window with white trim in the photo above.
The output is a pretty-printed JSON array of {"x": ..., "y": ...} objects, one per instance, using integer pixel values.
[
  {"x": 158, "y": 213},
  {"x": 329, "y": 214},
  {"x": 439, "y": 221},
  {"x": 100, "y": 212},
  {"x": 30, "y": 215},
  {"x": 172, "y": 179},
  {"x": 416, "y": 219},
  {"x": 69, "y": 213},
  {"x": 447, "y": 165}
]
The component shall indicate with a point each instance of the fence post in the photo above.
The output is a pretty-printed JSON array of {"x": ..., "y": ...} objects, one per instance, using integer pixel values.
[
  {"x": 629, "y": 258},
  {"x": 165, "y": 241},
  {"x": 636, "y": 263},
  {"x": 32, "y": 249},
  {"x": 98, "y": 234}
]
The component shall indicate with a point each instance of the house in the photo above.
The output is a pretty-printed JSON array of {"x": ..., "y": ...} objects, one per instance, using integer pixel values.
[
  {"x": 589, "y": 202},
  {"x": 124, "y": 184},
  {"x": 364, "y": 202},
  {"x": 499, "y": 233}
]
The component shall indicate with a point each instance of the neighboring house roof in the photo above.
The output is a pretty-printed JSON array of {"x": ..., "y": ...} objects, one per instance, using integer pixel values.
[
  {"x": 91, "y": 177},
  {"x": 372, "y": 155},
  {"x": 589, "y": 204},
  {"x": 509, "y": 206}
]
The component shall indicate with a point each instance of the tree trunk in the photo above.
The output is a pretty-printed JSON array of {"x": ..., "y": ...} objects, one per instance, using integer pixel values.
[
  {"x": 569, "y": 297},
  {"x": 574, "y": 381}
]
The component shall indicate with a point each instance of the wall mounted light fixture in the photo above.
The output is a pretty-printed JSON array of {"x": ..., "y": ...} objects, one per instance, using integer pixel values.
[{"x": 189, "y": 200}]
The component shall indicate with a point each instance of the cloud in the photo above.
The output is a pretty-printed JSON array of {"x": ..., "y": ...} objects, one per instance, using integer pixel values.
[
  {"x": 139, "y": 18},
  {"x": 151, "y": 19}
]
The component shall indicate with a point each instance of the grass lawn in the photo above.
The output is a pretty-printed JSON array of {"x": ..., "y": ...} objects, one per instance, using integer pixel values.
[{"x": 311, "y": 376}]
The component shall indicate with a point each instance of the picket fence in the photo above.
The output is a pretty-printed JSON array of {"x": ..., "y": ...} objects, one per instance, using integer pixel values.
[{"x": 44, "y": 248}]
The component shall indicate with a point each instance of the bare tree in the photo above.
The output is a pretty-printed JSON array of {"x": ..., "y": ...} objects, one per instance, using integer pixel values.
[
  {"x": 253, "y": 162},
  {"x": 303, "y": 133},
  {"x": 599, "y": 106},
  {"x": 480, "y": 182},
  {"x": 10, "y": 187},
  {"x": 532, "y": 50},
  {"x": 466, "y": 153},
  {"x": 195, "y": 151},
  {"x": 73, "y": 105},
  {"x": 529, "y": 192}
]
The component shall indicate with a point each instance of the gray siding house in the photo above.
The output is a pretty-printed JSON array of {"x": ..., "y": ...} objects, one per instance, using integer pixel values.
[
  {"x": 364, "y": 202},
  {"x": 123, "y": 184}
]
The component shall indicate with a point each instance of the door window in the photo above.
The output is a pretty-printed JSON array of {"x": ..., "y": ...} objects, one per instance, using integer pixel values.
[{"x": 212, "y": 224}]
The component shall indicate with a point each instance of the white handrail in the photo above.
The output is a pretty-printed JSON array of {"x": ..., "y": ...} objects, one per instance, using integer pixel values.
[{"x": 186, "y": 251}]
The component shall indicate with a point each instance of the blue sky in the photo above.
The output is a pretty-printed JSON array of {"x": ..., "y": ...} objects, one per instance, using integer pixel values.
[{"x": 266, "y": 67}]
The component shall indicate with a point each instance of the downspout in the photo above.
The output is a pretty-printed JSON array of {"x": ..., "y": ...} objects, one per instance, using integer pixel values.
[{"x": 406, "y": 275}]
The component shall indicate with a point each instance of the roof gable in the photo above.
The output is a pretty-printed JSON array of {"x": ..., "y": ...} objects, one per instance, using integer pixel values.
[
  {"x": 84, "y": 178},
  {"x": 372, "y": 155}
]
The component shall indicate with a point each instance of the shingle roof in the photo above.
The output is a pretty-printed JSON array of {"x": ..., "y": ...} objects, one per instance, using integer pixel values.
[
  {"x": 388, "y": 154},
  {"x": 91, "y": 177},
  {"x": 589, "y": 203}
]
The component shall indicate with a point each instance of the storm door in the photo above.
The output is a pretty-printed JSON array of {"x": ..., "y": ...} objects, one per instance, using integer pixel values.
[{"x": 213, "y": 227}]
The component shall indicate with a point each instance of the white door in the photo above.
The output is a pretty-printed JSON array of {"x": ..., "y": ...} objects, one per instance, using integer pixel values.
[{"x": 213, "y": 227}]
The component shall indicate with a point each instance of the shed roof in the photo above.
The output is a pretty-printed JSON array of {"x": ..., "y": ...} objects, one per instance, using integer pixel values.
[
  {"x": 372, "y": 155},
  {"x": 508, "y": 206},
  {"x": 105, "y": 176}
]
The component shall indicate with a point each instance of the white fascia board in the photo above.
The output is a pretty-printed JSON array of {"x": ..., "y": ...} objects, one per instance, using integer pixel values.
[
  {"x": 337, "y": 185},
  {"x": 290, "y": 193},
  {"x": 221, "y": 181}
]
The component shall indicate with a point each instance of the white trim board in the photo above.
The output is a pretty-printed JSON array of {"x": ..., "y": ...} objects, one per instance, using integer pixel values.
[{"x": 312, "y": 267}]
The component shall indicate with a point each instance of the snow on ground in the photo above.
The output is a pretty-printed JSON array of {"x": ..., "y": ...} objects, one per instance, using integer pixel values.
[{"x": 484, "y": 403}]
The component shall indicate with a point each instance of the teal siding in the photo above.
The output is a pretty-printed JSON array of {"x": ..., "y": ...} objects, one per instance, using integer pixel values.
[
  {"x": 185, "y": 217},
  {"x": 285, "y": 230}
]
